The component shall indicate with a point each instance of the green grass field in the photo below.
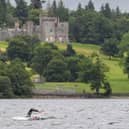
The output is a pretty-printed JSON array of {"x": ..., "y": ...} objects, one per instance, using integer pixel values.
[
  {"x": 79, "y": 87},
  {"x": 3, "y": 45},
  {"x": 118, "y": 80}
]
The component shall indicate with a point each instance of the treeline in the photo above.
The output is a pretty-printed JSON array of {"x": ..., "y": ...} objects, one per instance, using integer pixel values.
[
  {"x": 23, "y": 12},
  {"x": 50, "y": 63}
]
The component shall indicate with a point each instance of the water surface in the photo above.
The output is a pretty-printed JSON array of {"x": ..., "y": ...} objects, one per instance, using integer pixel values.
[{"x": 67, "y": 114}]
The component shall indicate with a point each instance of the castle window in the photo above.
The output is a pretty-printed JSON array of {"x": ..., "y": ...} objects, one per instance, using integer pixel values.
[
  {"x": 51, "y": 30},
  {"x": 62, "y": 25}
]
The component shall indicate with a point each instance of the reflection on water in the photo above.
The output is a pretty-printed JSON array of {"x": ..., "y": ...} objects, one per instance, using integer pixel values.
[{"x": 67, "y": 114}]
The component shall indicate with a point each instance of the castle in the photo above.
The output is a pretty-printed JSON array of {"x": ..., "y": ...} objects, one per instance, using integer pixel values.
[{"x": 50, "y": 29}]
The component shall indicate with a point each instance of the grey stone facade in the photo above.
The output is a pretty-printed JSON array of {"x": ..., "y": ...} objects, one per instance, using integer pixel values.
[{"x": 50, "y": 29}]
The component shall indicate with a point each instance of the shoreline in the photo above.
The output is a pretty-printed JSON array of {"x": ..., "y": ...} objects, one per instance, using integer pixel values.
[
  {"x": 79, "y": 97},
  {"x": 62, "y": 94}
]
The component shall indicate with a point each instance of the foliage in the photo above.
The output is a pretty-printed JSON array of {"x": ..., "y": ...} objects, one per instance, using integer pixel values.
[
  {"x": 21, "y": 11},
  {"x": 73, "y": 66},
  {"x": 10, "y": 15},
  {"x": 14, "y": 79},
  {"x": 85, "y": 70},
  {"x": 90, "y": 6},
  {"x": 57, "y": 71},
  {"x": 3, "y": 10},
  {"x": 21, "y": 83},
  {"x": 59, "y": 11},
  {"x": 3, "y": 57},
  {"x": 41, "y": 58},
  {"x": 5, "y": 87},
  {"x": 36, "y": 4},
  {"x": 110, "y": 47},
  {"x": 93, "y": 73},
  {"x": 106, "y": 10},
  {"x": 124, "y": 44},
  {"x": 126, "y": 64},
  {"x": 20, "y": 43},
  {"x": 34, "y": 15},
  {"x": 108, "y": 90},
  {"x": 91, "y": 27},
  {"x": 52, "y": 11},
  {"x": 69, "y": 51}
]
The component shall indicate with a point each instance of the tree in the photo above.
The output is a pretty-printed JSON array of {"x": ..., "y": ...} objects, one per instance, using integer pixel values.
[
  {"x": 85, "y": 70},
  {"x": 10, "y": 14},
  {"x": 18, "y": 48},
  {"x": 110, "y": 47},
  {"x": 3, "y": 69},
  {"x": 73, "y": 66},
  {"x": 5, "y": 87},
  {"x": 62, "y": 12},
  {"x": 118, "y": 12},
  {"x": 21, "y": 11},
  {"x": 126, "y": 64},
  {"x": 57, "y": 71},
  {"x": 69, "y": 51},
  {"x": 102, "y": 9},
  {"x": 93, "y": 73},
  {"x": 20, "y": 79},
  {"x": 108, "y": 89},
  {"x": 22, "y": 47},
  {"x": 106, "y": 11},
  {"x": 98, "y": 76},
  {"x": 91, "y": 28},
  {"x": 3, "y": 57},
  {"x": 104, "y": 29},
  {"x": 37, "y": 4},
  {"x": 90, "y": 6},
  {"x": 41, "y": 58},
  {"x": 52, "y": 11},
  {"x": 3, "y": 13},
  {"x": 124, "y": 44},
  {"x": 79, "y": 9},
  {"x": 34, "y": 15}
]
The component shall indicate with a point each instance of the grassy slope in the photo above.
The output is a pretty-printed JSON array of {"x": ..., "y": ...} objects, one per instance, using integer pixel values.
[
  {"x": 3, "y": 45},
  {"x": 118, "y": 80}
]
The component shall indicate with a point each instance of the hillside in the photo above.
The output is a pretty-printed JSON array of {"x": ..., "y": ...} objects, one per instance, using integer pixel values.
[{"x": 116, "y": 77}]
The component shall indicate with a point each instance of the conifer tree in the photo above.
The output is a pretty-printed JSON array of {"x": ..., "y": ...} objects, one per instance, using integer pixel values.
[
  {"x": 21, "y": 10},
  {"x": 3, "y": 13},
  {"x": 62, "y": 12},
  {"x": 37, "y": 4},
  {"x": 90, "y": 5}
]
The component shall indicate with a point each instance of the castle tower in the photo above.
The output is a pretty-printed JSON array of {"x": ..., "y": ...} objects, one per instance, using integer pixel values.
[
  {"x": 48, "y": 28},
  {"x": 62, "y": 32},
  {"x": 29, "y": 28}
]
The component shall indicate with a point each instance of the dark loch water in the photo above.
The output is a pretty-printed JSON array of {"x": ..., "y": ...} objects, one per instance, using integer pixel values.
[{"x": 67, "y": 114}]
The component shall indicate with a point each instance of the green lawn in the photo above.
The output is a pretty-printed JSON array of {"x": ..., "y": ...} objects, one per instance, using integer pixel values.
[
  {"x": 79, "y": 87},
  {"x": 3, "y": 45},
  {"x": 85, "y": 49}
]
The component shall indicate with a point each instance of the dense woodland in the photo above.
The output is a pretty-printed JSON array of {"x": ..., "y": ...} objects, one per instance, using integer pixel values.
[{"x": 107, "y": 28}]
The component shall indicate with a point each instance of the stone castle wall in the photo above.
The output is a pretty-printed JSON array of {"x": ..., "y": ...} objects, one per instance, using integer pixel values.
[{"x": 50, "y": 29}]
